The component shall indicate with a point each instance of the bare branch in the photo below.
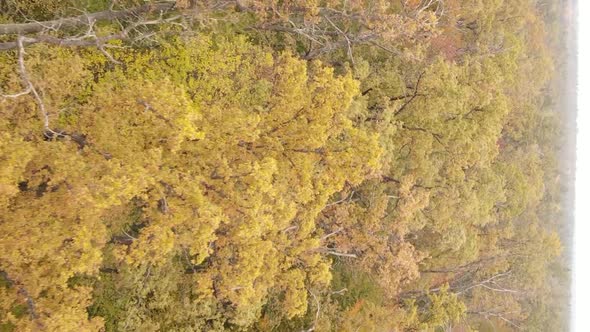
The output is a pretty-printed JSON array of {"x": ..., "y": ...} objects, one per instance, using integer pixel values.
[
  {"x": 348, "y": 42},
  {"x": 149, "y": 108},
  {"x": 347, "y": 198},
  {"x": 332, "y": 234},
  {"x": 340, "y": 292},
  {"x": 414, "y": 95},
  {"x": 131, "y": 237},
  {"x": 89, "y": 38},
  {"x": 317, "y": 312},
  {"x": 486, "y": 281},
  {"x": 16, "y": 95},
  {"x": 500, "y": 289},
  {"x": 30, "y": 87},
  {"x": 394, "y": 51},
  {"x": 81, "y": 20},
  {"x": 487, "y": 314},
  {"x": 339, "y": 254},
  {"x": 105, "y": 53},
  {"x": 290, "y": 228}
]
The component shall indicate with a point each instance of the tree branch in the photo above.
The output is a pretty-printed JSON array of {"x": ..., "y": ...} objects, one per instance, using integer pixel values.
[
  {"x": 88, "y": 39},
  {"x": 339, "y": 254},
  {"x": 31, "y": 88},
  {"x": 487, "y": 314},
  {"x": 414, "y": 95},
  {"x": 81, "y": 20}
]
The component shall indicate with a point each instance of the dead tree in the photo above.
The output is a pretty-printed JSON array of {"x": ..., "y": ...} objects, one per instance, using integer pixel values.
[{"x": 80, "y": 31}]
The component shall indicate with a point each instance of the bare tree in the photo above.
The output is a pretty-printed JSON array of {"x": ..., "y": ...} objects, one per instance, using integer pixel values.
[
  {"x": 347, "y": 25},
  {"x": 80, "y": 31},
  {"x": 83, "y": 20}
]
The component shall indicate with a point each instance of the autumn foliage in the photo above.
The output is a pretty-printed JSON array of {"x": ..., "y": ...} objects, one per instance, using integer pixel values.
[{"x": 279, "y": 166}]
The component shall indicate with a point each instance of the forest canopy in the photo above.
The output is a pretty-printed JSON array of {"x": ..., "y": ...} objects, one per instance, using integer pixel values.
[{"x": 260, "y": 165}]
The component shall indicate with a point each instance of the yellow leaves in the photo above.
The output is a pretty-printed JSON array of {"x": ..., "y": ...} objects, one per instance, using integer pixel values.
[
  {"x": 239, "y": 76},
  {"x": 446, "y": 308},
  {"x": 295, "y": 302},
  {"x": 154, "y": 246},
  {"x": 217, "y": 149},
  {"x": 61, "y": 251},
  {"x": 120, "y": 182},
  {"x": 145, "y": 116},
  {"x": 66, "y": 309},
  {"x": 14, "y": 156},
  {"x": 227, "y": 155},
  {"x": 319, "y": 274},
  {"x": 243, "y": 272},
  {"x": 45, "y": 242},
  {"x": 51, "y": 79},
  {"x": 58, "y": 310},
  {"x": 411, "y": 200},
  {"x": 187, "y": 126}
]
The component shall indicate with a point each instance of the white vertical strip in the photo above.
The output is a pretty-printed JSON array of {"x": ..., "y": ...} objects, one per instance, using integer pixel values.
[{"x": 581, "y": 276}]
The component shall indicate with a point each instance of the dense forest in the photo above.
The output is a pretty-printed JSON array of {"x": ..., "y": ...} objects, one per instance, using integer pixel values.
[{"x": 292, "y": 165}]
